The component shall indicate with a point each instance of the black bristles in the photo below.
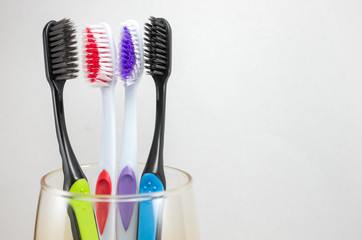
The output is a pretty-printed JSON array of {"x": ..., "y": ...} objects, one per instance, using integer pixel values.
[
  {"x": 157, "y": 47},
  {"x": 63, "y": 50}
]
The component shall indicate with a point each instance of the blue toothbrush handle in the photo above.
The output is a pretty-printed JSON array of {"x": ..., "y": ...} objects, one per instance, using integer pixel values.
[{"x": 149, "y": 211}]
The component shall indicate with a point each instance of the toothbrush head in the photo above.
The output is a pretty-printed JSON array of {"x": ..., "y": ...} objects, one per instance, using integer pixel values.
[
  {"x": 98, "y": 55},
  {"x": 60, "y": 50},
  {"x": 130, "y": 57},
  {"x": 158, "y": 38}
]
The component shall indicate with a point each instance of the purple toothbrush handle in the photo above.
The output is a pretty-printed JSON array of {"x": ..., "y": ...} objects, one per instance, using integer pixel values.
[{"x": 127, "y": 184}]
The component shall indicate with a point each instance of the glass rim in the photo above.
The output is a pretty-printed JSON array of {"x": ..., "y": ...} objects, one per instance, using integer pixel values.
[{"x": 115, "y": 198}]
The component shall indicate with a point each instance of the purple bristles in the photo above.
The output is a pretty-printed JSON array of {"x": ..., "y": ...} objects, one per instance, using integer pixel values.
[{"x": 128, "y": 57}]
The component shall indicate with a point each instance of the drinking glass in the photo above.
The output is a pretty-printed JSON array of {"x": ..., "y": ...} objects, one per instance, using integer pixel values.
[{"x": 179, "y": 217}]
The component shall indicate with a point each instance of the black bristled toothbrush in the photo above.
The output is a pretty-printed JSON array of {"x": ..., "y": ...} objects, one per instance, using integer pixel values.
[
  {"x": 158, "y": 64},
  {"x": 60, "y": 55}
]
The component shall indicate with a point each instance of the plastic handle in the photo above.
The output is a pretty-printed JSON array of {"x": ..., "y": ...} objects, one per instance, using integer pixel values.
[
  {"x": 127, "y": 184},
  {"x": 149, "y": 211},
  {"x": 107, "y": 164},
  {"x": 104, "y": 187},
  {"x": 83, "y": 212},
  {"x": 127, "y": 176}
]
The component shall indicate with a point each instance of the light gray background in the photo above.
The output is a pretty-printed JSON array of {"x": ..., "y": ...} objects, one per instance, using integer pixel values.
[{"x": 264, "y": 110}]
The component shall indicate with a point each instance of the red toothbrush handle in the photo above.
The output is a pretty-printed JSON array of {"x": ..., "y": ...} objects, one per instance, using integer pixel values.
[{"x": 103, "y": 187}]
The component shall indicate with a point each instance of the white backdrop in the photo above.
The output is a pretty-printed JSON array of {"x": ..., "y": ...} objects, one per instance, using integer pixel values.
[{"x": 264, "y": 110}]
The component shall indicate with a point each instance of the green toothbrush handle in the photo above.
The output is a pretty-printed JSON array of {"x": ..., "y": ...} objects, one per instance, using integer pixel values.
[{"x": 83, "y": 212}]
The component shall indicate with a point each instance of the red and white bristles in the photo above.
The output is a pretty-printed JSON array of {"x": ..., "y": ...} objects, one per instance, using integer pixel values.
[{"x": 98, "y": 60}]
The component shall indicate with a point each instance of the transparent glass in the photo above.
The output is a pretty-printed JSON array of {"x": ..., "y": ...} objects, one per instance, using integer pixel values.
[{"x": 179, "y": 218}]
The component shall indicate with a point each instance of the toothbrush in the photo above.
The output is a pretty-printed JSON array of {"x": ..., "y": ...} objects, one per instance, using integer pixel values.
[
  {"x": 60, "y": 55},
  {"x": 100, "y": 69},
  {"x": 158, "y": 62},
  {"x": 130, "y": 60}
]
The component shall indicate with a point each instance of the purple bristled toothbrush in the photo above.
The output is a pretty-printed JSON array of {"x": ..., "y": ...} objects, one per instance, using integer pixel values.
[{"x": 130, "y": 64}]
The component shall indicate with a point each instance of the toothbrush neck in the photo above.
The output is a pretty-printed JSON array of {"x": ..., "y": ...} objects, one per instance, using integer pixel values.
[
  {"x": 160, "y": 116},
  {"x": 155, "y": 158},
  {"x": 70, "y": 165},
  {"x": 129, "y": 133},
  {"x": 108, "y": 145}
]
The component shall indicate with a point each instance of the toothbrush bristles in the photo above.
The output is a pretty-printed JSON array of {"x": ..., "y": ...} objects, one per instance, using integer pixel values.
[
  {"x": 63, "y": 50},
  {"x": 156, "y": 43},
  {"x": 98, "y": 55},
  {"x": 130, "y": 60}
]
